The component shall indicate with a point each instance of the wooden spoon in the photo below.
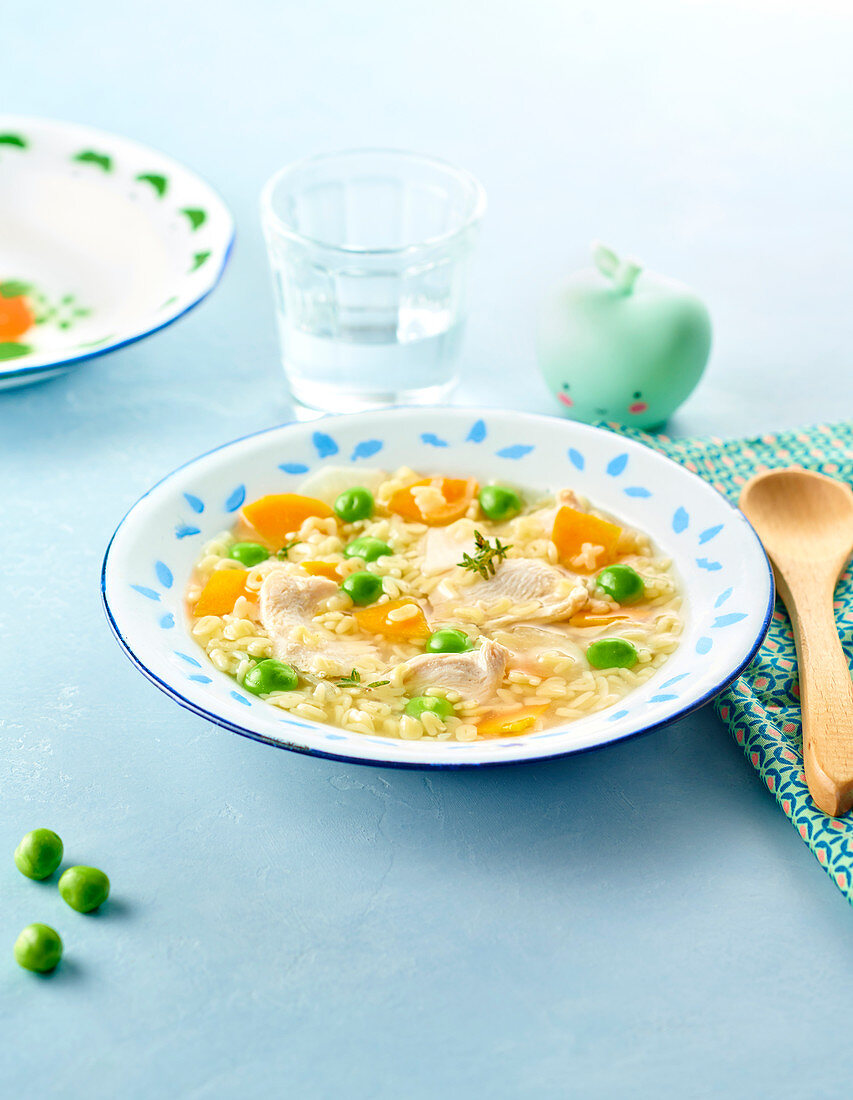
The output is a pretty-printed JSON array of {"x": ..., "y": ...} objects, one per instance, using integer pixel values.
[{"x": 805, "y": 521}]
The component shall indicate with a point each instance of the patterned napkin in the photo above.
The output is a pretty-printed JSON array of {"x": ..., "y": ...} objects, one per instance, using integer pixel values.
[{"x": 762, "y": 707}]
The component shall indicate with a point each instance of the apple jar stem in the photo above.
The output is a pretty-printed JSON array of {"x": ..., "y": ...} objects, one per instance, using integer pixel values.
[{"x": 622, "y": 273}]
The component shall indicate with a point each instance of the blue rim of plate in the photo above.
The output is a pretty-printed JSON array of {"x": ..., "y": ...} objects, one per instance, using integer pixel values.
[
  {"x": 253, "y": 735},
  {"x": 62, "y": 364},
  {"x": 59, "y": 365}
]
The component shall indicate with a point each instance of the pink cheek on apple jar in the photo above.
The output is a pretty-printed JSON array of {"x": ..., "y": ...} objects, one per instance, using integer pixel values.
[
  {"x": 638, "y": 407},
  {"x": 567, "y": 401}
]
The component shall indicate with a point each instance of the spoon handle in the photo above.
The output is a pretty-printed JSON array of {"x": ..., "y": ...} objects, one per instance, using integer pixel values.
[{"x": 826, "y": 690}]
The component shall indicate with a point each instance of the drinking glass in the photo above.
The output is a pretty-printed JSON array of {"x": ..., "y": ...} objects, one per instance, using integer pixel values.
[{"x": 369, "y": 251}]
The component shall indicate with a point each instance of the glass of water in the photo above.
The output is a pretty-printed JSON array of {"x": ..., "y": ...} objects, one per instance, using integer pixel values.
[{"x": 369, "y": 252}]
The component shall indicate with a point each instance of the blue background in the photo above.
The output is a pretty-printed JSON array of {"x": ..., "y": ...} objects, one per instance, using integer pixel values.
[{"x": 634, "y": 921}]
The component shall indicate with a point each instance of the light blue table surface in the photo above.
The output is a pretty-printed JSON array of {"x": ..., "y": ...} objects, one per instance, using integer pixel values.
[{"x": 639, "y": 921}]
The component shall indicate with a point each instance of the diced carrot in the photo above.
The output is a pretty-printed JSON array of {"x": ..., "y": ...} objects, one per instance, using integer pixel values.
[
  {"x": 457, "y": 494},
  {"x": 16, "y": 317},
  {"x": 587, "y": 618},
  {"x": 394, "y": 619},
  {"x": 281, "y": 514},
  {"x": 321, "y": 569},
  {"x": 501, "y": 724},
  {"x": 221, "y": 592},
  {"x": 572, "y": 529}
]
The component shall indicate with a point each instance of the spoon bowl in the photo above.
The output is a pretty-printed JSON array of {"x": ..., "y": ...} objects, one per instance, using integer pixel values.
[{"x": 802, "y": 515}]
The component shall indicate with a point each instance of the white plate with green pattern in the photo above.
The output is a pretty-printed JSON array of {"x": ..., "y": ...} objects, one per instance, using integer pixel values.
[{"x": 102, "y": 241}]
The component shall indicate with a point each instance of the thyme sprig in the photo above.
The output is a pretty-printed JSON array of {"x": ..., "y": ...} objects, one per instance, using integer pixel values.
[
  {"x": 355, "y": 678},
  {"x": 285, "y": 550},
  {"x": 486, "y": 558}
]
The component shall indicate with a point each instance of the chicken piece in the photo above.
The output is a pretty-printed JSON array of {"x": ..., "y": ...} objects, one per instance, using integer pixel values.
[
  {"x": 476, "y": 675},
  {"x": 522, "y": 589},
  {"x": 443, "y": 547},
  {"x": 289, "y": 600},
  {"x": 527, "y": 642}
]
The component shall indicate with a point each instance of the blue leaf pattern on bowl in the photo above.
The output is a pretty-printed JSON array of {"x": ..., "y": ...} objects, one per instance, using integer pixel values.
[
  {"x": 366, "y": 449},
  {"x": 235, "y": 500},
  {"x": 325, "y": 445},
  {"x": 516, "y": 451},
  {"x": 728, "y": 620},
  {"x": 294, "y": 468},
  {"x": 149, "y": 593},
  {"x": 164, "y": 574},
  {"x": 576, "y": 459},
  {"x": 432, "y": 440},
  {"x": 194, "y": 502},
  {"x": 616, "y": 465},
  {"x": 680, "y": 521},
  {"x": 182, "y": 531},
  {"x": 710, "y": 533},
  {"x": 477, "y": 433}
]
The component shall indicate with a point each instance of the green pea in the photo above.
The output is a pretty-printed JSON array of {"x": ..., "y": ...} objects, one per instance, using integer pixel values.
[
  {"x": 499, "y": 503},
  {"x": 39, "y": 853},
  {"x": 363, "y": 588},
  {"x": 354, "y": 504},
  {"x": 39, "y": 948},
  {"x": 248, "y": 553},
  {"x": 621, "y": 582},
  {"x": 448, "y": 641},
  {"x": 612, "y": 653},
  {"x": 271, "y": 675},
  {"x": 367, "y": 548},
  {"x": 433, "y": 704},
  {"x": 84, "y": 888}
]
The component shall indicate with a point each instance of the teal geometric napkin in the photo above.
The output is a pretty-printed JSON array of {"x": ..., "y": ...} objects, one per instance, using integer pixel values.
[{"x": 762, "y": 707}]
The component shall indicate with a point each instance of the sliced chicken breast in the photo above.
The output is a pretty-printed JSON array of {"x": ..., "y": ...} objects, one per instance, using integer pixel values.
[
  {"x": 475, "y": 675},
  {"x": 289, "y": 600},
  {"x": 443, "y": 547},
  {"x": 527, "y": 642},
  {"x": 522, "y": 590}
]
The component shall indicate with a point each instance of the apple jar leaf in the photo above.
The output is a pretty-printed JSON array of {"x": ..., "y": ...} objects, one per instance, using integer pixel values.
[{"x": 620, "y": 344}]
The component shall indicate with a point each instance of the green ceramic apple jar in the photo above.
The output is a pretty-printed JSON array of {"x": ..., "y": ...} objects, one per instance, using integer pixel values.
[{"x": 620, "y": 344}]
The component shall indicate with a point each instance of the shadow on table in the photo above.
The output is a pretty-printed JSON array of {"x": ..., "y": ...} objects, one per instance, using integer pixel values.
[{"x": 633, "y": 804}]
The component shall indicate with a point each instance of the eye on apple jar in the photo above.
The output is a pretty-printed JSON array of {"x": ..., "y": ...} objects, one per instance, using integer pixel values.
[{"x": 369, "y": 253}]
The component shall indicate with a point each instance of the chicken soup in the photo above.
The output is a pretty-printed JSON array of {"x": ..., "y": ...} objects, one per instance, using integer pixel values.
[{"x": 418, "y": 606}]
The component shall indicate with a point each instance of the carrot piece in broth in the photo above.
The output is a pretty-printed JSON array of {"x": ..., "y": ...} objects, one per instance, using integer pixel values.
[
  {"x": 276, "y": 516},
  {"x": 394, "y": 620},
  {"x": 573, "y": 529},
  {"x": 453, "y": 498},
  {"x": 588, "y": 618},
  {"x": 221, "y": 592},
  {"x": 501, "y": 724},
  {"x": 326, "y": 569}
]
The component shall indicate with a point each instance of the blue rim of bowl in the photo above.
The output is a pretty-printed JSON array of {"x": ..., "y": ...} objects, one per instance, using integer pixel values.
[
  {"x": 253, "y": 735},
  {"x": 58, "y": 365}
]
